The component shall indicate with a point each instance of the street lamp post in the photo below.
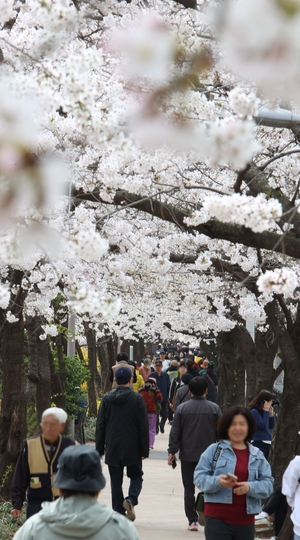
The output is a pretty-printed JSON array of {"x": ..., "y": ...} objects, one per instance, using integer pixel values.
[{"x": 279, "y": 118}]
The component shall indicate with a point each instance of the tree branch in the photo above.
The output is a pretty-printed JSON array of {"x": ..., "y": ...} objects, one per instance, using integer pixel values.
[{"x": 236, "y": 234}]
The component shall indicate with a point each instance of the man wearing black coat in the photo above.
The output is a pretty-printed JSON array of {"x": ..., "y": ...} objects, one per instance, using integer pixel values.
[{"x": 122, "y": 434}]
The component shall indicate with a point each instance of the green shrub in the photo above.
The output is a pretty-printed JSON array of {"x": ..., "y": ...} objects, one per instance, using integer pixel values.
[
  {"x": 90, "y": 428},
  {"x": 8, "y": 525}
]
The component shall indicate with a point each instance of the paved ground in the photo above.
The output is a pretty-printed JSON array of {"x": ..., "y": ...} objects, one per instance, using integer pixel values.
[{"x": 160, "y": 513}]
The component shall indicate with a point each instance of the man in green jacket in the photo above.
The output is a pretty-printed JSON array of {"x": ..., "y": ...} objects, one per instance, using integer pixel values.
[{"x": 77, "y": 513}]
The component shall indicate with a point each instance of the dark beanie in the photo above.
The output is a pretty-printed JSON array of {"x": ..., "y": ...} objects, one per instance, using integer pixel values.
[{"x": 123, "y": 375}]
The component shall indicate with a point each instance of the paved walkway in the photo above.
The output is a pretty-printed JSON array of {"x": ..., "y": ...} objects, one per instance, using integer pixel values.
[{"x": 160, "y": 513}]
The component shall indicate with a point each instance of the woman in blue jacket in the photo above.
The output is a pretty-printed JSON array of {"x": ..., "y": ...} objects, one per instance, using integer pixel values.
[
  {"x": 234, "y": 476},
  {"x": 263, "y": 412}
]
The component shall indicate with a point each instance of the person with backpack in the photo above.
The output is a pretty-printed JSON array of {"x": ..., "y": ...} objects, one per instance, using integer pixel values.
[
  {"x": 233, "y": 485},
  {"x": 183, "y": 392},
  {"x": 152, "y": 397},
  {"x": 175, "y": 384}
]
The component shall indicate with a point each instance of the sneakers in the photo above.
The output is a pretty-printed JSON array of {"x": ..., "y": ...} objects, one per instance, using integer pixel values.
[
  {"x": 128, "y": 506},
  {"x": 261, "y": 515},
  {"x": 193, "y": 526}
]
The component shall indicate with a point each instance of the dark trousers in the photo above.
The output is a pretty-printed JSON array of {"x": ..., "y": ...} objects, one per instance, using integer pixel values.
[
  {"x": 163, "y": 413},
  {"x": 135, "y": 473},
  {"x": 265, "y": 448},
  {"x": 33, "y": 508},
  {"x": 278, "y": 506},
  {"x": 216, "y": 529},
  {"x": 187, "y": 474}
]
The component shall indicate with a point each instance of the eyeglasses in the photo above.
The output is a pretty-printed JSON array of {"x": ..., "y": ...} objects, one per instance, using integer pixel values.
[{"x": 49, "y": 426}]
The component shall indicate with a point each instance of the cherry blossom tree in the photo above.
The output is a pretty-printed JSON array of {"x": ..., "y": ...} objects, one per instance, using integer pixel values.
[{"x": 138, "y": 186}]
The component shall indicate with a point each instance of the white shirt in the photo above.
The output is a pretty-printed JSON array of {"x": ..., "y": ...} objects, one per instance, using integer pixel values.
[{"x": 291, "y": 489}]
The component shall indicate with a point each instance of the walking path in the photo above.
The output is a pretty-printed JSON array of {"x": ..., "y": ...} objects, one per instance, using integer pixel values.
[{"x": 160, "y": 513}]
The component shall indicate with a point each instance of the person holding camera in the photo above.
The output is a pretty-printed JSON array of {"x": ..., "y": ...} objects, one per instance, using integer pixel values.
[{"x": 263, "y": 412}]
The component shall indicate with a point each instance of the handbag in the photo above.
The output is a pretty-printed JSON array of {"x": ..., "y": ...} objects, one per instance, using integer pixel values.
[{"x": 199, "y": 506}]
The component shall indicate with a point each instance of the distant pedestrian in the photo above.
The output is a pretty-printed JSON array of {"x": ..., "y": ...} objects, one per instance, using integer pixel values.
[
  {"x": 176, "y": 383},
  {"x": 122, "y": 361},
  {"x": 145, "y": 370},
  {"x": 122, "y": 434},
  {"x": 183, "y": 393},
  {"x": 77, "y": 513},
  {"x": 194, "y": 428},
  {"x": 153, "y": 397},
  {"x": 164, "y": 384},
  {"x": 191, "y": 368},
  {"x": 212, "y": 382},
  {"x": 203, "y": 366},
  {"x": 263, "y": 412}
]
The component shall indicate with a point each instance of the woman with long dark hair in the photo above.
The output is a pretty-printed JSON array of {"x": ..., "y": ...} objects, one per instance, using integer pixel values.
[
  {"x": 234, "y": 476},
  {"x": 263, "y": 412}
]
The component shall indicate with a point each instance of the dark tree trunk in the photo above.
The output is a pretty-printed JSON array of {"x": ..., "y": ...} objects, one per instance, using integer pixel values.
[
  {"x": 58, "y": 389},
  {"x": 43, "y": 394},
  {"x": 13, "y": 404},
  {"x": 33, "y": 375},
  {"x": 39, "y": 376},
  {"x": 258, "y": 359},
  {"x": 107, "y": 351},
  {"x": 248, "y": 355},
  {"x": 285, "y": 439},
  {"x": 231, "y": 372},
  {"x": 266, "y": 349},
  {"x": 94, "y": 382}
]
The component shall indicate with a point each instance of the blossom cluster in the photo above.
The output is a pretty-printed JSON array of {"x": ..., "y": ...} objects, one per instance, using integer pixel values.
[
  {"x": 243, "y": 104},
  {"x": 256, "y": 213},
  {"x": 280, "y": 281}
]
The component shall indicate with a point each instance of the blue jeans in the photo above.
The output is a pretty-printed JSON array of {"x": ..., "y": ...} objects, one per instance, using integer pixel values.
[{"x": 135, "y": 473}]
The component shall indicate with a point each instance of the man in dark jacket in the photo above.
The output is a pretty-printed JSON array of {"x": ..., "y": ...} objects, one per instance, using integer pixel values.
[
  {"x": 164, "y": 384},
  {"x": 122, "y": 434},
  {"x": 194, "y": 428}
]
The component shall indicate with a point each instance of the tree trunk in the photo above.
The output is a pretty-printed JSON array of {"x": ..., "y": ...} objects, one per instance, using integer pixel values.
[
  {"x": 33, "y": 375},
  {"x": 94, "y": 383},
  {"x": 58, "y": 390},
  {"x": 43, "y": 394},
  {"x": 232, "y": 372},
  {"x": 266, "y": 349},
  {"x": 107, "y": 351},
  {"x": 13, "y": 404},
  {"x": 285, "y": 439}
]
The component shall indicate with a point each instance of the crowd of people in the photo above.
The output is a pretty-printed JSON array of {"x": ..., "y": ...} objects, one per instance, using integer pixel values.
[{"x": 224, "y": 455}]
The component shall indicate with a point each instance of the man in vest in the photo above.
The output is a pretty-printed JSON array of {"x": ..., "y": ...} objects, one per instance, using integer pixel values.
[
  {"x": 37, "y": 464},
  {"x": 122, "y": 361}
]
